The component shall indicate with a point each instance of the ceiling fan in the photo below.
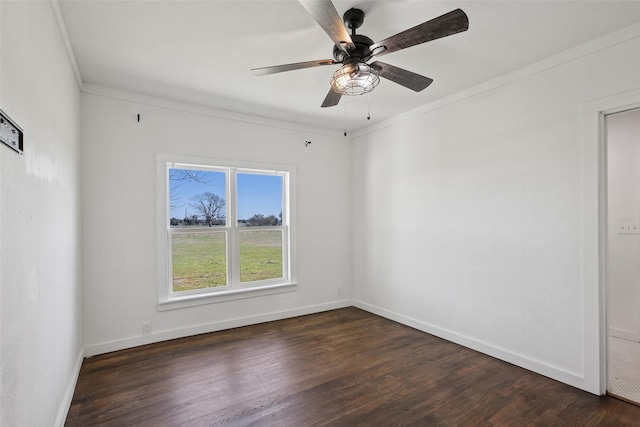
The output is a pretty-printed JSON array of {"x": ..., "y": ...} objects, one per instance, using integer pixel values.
[{"x": 356, "y": 76}]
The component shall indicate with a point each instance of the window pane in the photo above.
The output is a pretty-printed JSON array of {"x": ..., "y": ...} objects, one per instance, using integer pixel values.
[
  {"x": 199, "y": 260},
  {"x": 259, "y": 199},
  {"x": 260, "y": 255},
  {"x": 196, "y": 198}
]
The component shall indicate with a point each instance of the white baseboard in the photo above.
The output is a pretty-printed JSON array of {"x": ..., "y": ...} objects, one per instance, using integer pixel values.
[
  {"x": 96, "y": 349},
  {"x": 70, "y": 389},
  {"x": 625, "y": 335},
  {"x": 488, "y": 349}
]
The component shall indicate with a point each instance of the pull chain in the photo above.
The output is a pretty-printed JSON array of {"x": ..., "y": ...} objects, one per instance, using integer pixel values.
[
  {"x": 368, "y": 107},
  {"x": 345, "y": 117}
]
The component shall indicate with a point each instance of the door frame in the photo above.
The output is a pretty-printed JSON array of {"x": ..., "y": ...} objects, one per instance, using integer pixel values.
[
  {"x": 594, "y": 232},
  {"x": 605, "y": 246}
]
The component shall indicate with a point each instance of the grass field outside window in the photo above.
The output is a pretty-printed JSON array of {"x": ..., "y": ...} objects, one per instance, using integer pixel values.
[{"x": 199, "y": 259}]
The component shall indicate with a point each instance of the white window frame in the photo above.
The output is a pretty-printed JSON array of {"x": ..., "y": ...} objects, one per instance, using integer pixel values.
[{"x": 169, "y": 299}]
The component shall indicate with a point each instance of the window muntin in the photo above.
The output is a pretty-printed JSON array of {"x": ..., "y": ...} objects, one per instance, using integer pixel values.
[{"x": 227, "y": 228}]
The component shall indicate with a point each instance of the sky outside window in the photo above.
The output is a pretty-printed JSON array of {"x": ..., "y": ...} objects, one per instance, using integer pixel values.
[{"x": 257, "y": 194}]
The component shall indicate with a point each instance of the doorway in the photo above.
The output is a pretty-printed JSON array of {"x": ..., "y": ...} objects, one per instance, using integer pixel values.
[{"x": 623, "y": 254}]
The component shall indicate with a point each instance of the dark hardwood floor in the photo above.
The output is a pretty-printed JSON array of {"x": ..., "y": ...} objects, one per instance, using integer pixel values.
[{"x": 339, "y": 368}]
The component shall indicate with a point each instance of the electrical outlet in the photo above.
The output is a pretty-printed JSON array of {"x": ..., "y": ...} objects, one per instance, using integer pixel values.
[
  {"x": 628, "y": 228},
  {"x": 146, "y": 328},
  {"x": 339, "y": 291}
]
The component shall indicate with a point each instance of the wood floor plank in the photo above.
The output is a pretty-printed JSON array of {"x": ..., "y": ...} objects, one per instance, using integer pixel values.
[{"x": 344, "y": 367}]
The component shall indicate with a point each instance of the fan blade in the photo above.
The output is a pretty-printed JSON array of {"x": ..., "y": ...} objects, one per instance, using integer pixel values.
[
  {"x": 401, "y": 76},
  {"x": 446, "y": 25},
  {"x": 326, "y": 15},
  {"x": 290, "y": 67},
  {"x": 332, "y": 98}
]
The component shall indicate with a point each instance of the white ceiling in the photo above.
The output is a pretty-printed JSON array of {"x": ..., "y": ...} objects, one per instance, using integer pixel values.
[{"x": 201, "y": 52}]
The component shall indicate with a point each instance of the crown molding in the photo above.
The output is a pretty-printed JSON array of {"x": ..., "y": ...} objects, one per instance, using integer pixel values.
[
  {"x": 55, "y": 5},
  {"x": 577, "y": 52},
  {"x": 122, "y": 95}
]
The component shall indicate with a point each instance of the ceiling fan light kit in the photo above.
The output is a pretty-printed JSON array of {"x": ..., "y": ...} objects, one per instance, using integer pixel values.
[
  {"x": 356, "y": 76},
  {"x": 354, "y": 79}
]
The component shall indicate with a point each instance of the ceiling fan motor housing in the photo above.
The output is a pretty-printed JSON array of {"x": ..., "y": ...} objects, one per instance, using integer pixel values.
[
  {"x": 353, "y": 18},
  {"x": 361, "y": 53}
]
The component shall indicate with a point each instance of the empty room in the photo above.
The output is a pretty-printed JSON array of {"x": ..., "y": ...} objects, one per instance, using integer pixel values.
[{"x": 287, "y": 213}]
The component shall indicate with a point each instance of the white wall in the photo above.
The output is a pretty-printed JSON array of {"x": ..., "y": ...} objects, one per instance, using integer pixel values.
[
  {"x": 119, "y": 214},
  {"x": 40, "y": 313},
  {"x": 623, "y": 268},
  {"x": 472, "y": 212}
]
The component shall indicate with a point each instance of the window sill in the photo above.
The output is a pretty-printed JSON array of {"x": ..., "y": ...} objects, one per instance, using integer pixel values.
[{"x": 223, "y": 296}]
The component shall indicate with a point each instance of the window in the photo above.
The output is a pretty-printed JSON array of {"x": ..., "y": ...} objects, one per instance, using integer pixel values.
[{"x": 228, "y": 232}]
